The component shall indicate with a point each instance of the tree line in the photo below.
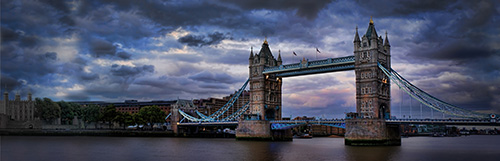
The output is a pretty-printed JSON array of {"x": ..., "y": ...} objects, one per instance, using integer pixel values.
[{"x": 49, "y": 111}]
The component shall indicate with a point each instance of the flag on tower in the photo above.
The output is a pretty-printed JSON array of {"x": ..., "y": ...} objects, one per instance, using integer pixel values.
[
  {"x": 294, "y": 53},
  {"x": 317, "y": 50}
]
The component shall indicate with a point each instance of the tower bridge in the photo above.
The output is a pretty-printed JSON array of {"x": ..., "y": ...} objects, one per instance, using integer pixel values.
[{"x": 261, "y": 117}]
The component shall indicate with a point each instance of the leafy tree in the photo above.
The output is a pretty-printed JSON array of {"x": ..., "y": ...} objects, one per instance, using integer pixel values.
[
  {"x": 138, "y": 118},
  {"x": 124, "y": 118},
  {"x": 47, "y": 110},
  {"x": 128, "y": 119},
  {"x": 77, "y": 110},
  {"x": 109, "y": 114},
  {"x": 151, "y": 114},
  {"x": 90, "y": 114},
  {"x": 67, "y": 112}
]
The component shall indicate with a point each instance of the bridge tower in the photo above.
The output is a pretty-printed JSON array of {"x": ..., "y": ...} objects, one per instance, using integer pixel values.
[
  {"x": 265, "y": 90},
  {"x": 373, "y": 97},
  {"x": 265, "y": 96}
]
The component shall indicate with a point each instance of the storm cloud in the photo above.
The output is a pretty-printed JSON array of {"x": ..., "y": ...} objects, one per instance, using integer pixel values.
[{"x": 200, "y": 40}]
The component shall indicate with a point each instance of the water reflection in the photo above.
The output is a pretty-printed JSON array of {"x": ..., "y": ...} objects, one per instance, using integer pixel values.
[
  {"x": 372, "y": 153},
  {"x": 136, "y": 148}
]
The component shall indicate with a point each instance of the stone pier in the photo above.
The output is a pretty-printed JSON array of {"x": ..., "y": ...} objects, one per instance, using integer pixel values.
[
  {"x": 261, "y": 130},
  {"x": 253, "y": 130},
  {"x": 371, "y": 132}
]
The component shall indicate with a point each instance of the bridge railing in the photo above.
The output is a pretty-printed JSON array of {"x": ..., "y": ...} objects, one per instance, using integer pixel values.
[{"x": 310, "y": 64}]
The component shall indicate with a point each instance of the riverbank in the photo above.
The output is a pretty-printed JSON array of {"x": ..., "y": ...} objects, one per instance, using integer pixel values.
[
  {"x": 113, "y": 133},
  {"x": 124, "y": 133}
]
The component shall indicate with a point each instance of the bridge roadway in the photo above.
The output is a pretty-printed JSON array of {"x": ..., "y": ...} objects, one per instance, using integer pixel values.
[
  {"x": 341, "y": 122},
  {"x": 312, "y": 67}
]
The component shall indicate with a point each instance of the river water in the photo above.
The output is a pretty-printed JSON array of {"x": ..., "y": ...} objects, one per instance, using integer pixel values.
[{"x": 79, "y": 148}]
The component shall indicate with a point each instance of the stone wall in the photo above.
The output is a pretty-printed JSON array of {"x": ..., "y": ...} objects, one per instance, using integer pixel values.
[
  {"x": 371, "y": 132},
  {"x": 4, "y": 119},
  {"x": 253, "y": 130}
]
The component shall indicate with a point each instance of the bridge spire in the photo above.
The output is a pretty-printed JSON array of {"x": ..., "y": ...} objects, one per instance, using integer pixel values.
[
  {"x": 356, "y": 37},
  {"x": 251, "y": 52},
  {"x": 279, "y": 55},
  {"x": 386, "y": 42}
]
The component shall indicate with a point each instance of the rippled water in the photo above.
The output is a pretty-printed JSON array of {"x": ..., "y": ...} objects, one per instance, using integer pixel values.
[{"x": 18, "y": 148}]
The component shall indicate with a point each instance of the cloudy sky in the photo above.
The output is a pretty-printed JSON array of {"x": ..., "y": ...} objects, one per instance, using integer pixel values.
[{"x": 87, "y": 50}]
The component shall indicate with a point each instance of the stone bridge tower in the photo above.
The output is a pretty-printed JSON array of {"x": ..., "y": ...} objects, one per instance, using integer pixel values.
[
  {"x": 373, "y": 97},
  {"x": 265, "y": 90},
  {"x": 265, "y": 99}
]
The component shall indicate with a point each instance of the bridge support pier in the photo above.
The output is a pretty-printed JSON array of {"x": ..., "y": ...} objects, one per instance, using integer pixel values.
[
  {"x": 371, "y": 132},
  {"x": 261, "y": 130},
  {"x": 253, "y": 130}
]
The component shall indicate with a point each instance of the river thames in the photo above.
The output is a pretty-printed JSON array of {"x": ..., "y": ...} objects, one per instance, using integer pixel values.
[{"x": 80, "y": 148}]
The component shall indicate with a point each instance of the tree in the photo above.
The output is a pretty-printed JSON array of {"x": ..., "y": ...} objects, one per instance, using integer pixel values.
[
  {"x": 109, "y": 114},
  {"x": 151, "y": 115},
  {"x": 67, "y": 112},
  {"x": 124, "y": 118},
  {"x": 47, "y": 110},
  {"x": 91, "y": 114}
]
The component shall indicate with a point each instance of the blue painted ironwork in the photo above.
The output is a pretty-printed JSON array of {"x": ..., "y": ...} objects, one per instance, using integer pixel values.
[
  {"x": 226, "y": 106},
  {"x": 238, "y": 113},
  {"x": 189, "y": 117},
  {"x": 283, "y": 126},
  {"x": 212, "y": 123},
  {"x": 427, "y": 99},
  {"x": 201, "y": 115},
  {"x": 492, "y": 122},
  {"x": 170, "y": 114},
  {"x": 230, "y": 103},
  {"x": 312, "y": 67},
  {"x": 340, "y": 123},
  {"x": 287, "y": 124},
  {"x": 222, "y": 110}
]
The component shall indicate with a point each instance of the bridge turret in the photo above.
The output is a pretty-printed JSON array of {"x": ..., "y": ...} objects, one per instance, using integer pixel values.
[
  {"x": 371, "y": 33},
  {"x": 357, "y": 42},
  {"x": 387, "y": 46},
  {"x": 279, "y": 58},
  {"x": 250, "y": 58}
]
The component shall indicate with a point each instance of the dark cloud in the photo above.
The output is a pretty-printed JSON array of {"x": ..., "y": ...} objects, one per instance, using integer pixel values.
[
  {"x": 460, "y": 51},
  {"x": 29, "y": 41},
  {"x": 9, "y": 83},
  {"x": 307, "y": 9},
  {"x": 8, "y": 34},
  {"x": 123, "y": 55},
  {"x": 77, "y": 97},
  {"x": 106, "y": 49},
  {"x": 390, "y": 8},
  {"x": 200, "y": 40},
  {"x": 28, "y": 65},
  {"x": 209, "y": 77},
  {"x": 89, "y": 76},
  {"x": 100, "y": 47},
  {"x": 213, "y": 86},
  {"x": 58, "y": 5},
  {"x": 67, "y": 20},
  {"x": 128, "y": 71}
]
